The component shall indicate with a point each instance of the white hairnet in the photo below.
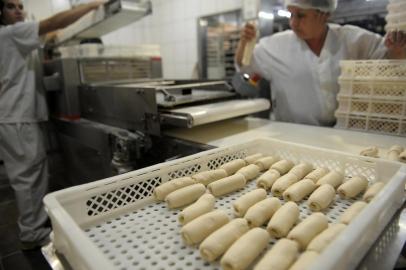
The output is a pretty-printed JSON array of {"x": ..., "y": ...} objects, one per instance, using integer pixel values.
[{"x": 322, "y": 5}]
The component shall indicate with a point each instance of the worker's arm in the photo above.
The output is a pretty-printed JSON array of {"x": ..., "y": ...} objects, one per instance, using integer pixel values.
[
  {"x": 247, "y": 34},
  {"x": 395, "y": 41},
  {"x": 66, "y": 18}
]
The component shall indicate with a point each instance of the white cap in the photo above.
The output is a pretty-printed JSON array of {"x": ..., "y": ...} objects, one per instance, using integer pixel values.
[{"x": 322, "y": 5}]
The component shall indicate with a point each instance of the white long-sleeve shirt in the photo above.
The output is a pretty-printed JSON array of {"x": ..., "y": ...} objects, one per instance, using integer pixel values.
[
  {"x": 20, "y": 100},
  {"x": 304, "y": 86}
]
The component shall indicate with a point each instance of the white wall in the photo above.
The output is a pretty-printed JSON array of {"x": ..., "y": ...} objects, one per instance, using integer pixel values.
[{"x": 173, "y": 25}]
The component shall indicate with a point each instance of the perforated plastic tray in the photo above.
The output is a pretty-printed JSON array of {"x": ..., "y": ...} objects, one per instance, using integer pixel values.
[
  {"x": 116, "y": 224},
  {"x": 382, "y": 90},
  {"x": 378, "y": 70}
]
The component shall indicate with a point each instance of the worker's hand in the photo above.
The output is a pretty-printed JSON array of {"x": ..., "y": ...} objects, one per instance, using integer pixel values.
[
  {"x": 395, "y": 41},
  {"x": 248, "y": 33}
]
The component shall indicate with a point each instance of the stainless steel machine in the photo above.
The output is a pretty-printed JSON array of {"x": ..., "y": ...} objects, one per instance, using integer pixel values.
[{"x": 110, "y": 105}]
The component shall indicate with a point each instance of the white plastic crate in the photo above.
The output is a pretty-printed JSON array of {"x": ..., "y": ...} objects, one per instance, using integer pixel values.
[
  {"x": 397, "y": 6},
  {"x": 395, "y": 26},
  {"x": 373, "y": 89},
  {"x": 369, "y": 123},
  {"x": 396, "y": 18},
  {"x": 378, "y": 70},
  {"x": 116, "y": 224}
]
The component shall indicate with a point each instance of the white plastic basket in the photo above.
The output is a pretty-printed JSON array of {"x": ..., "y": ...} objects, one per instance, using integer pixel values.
[
  {"x": 373, "y": 89},
  {"x": 115, "y": 224},
  {"x": 395, "y": 18},
  {"x": 395, "y": 27},
  {"x": 369, "y": 123},
  {"x": 378, "y": 70},
  {"x": 396, "y": 6}
]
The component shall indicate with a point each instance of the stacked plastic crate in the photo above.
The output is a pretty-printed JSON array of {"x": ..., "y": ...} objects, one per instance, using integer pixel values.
[
  {"x": 372, "y": 96},
  {"x": 396, "y": 18}
]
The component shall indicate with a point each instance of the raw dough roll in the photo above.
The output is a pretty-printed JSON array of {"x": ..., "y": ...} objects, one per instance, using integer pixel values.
[
  {"x": 209, "y": 176},
  {"x": 299, "y": 190},
  {"x": 283, "y": 183},
  {"x": 372, "y": 191},
  {"x": 199, "y": 228},
  {"x": 393, "y": 155},
  {"x": 397, "y": 148},
  {"x": 321, "y": 198},
  {"x": 232, "y": 166},
  {"x": 333, "y": 178},
  {"x": 219, "y": 241},
  {"x": 202, "y": 206},
  {"x": 262, "y": 211},
  {"x": 265, "y": 162},
  {"x": 283, "y": 220},
  {"x": 317, "y": 174},
  {"x": 352, "y": 212},
  {"x": 321, "y": 241},
  {"x": 306, "y": 230},
  {"x": 267, "y": 179},
  {"x": 185, "y": 195},
  {"x": 245, "y": 250},
  {"x": 353, "y": 187},
  {"x": 170, "y": 186},
  {"x": 402, "y": 156},
  {"x": 305, "y": 260},
  {"x": 227, "y": 185},
  {"x": 252, "y": 158},
  {"x": 250, "y": 172},
  {"x": 302, "y": 169},
  {"x": 280, "y": 257},
  {"x": 371, "y": 151},
  {"x": 242, "y": 204},
  {"x": 283, "y": 166}
]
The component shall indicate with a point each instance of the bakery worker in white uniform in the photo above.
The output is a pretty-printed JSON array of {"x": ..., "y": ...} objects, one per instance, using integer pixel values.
[
  {"x": 22, "y": 110},
  {"x": 302, "y": 64}
]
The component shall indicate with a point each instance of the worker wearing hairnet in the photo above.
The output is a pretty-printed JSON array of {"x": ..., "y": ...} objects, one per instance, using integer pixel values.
[
  {"x": 22, "y": 110},
  {"x": 302, "y": 64}
]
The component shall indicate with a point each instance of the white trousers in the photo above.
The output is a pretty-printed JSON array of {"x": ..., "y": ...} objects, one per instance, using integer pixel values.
[{"x": 22, "y": 149}]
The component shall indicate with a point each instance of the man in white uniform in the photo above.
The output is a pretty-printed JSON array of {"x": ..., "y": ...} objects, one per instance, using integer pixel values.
[
  {"x": 22, "y": 110},
  {"x": 302, "y": 64}
]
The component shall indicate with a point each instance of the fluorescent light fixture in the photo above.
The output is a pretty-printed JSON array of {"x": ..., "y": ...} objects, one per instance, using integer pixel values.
[
  {"x": 266, "y": 15},
  {"x": 283, "y": 13}
]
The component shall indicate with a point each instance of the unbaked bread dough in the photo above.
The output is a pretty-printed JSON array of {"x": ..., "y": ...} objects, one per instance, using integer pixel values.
[
  {"x": 283, "y": 166},
  {"x": 317, "y": 174},
  {"x": 283, "y": 183},
  {"x": 245, "y": 250},
  {"x": 302, "y": 169},
  {"x": 170, "y": 186},
  {"x": 207, "y": 177},
  {"x": 402, "y": 156},
  {"x": 267, "y": 179},
  {"x": 266, "y": 162},
  {"x": 353, "y": 187},
  {"x": 352, "y": 212},
  {"x": 299, "y": 190},
  {"x": 185, "y": 195},
  {"x": 280, "y": 257},
  {"x": 219, "y": 241},
  {"x": 283, "y": 220},
  {"x": 232, "y": 166},
  {"x": 372, "y": 191},
  {"x": 309, "y": 228},
  {"x": 371, "y": 151},
  {"x": 198, "y": 229},
  {"x": 321, "y": 241},
  {"x": 227, "y": 185},
  {"x": 333, "y": 178},
  {"x": 306, "y": 259},
  {"x": 202, "y": 206},
  {"x": 242, "y": 204},
  {"x": 397, "y": 148},
  {"x": 252, "y": 158},
  {"x": 262, "y": 211},
  {"x": 250, "y": 172},
  {"x": 321, "y": 198},
  {"x": 394, "y": 152}
]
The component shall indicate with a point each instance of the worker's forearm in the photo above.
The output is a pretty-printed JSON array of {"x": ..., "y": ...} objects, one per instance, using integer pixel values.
[
  {"x": 239, "y": 54},
  {"x": 65, "y": 18}
]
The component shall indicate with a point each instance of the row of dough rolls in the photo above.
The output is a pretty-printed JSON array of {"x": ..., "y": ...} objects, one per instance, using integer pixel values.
[
  {"x": 242, "y": 204},
  {"x": 185, "y": 195}
]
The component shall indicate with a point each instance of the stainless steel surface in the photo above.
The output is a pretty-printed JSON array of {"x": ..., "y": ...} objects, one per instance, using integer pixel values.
[{"x": 112, "y": 16}]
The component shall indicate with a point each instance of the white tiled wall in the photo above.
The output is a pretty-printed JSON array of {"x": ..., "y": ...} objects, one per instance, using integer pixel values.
[{"x": 173, "y": 25}]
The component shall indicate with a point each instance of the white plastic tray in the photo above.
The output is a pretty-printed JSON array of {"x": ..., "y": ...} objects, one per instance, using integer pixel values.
[{"x": 115, "y": 224}]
